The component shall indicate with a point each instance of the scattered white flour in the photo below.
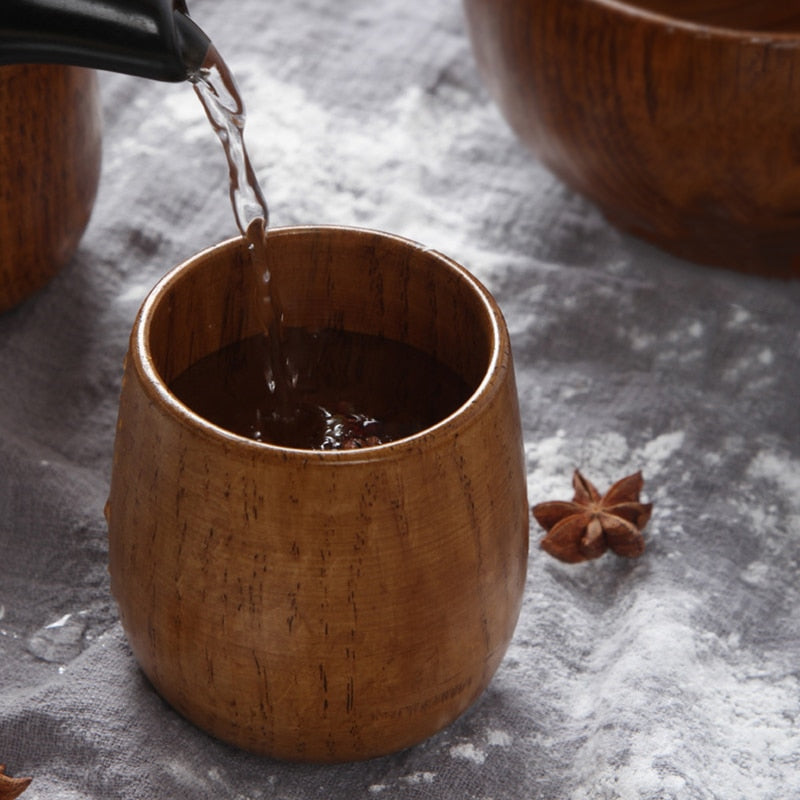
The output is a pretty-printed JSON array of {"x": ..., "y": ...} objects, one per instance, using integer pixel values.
[
  {"x": 498, "y": 738},
  {"x": 603, "y": 456},
  {"x": 468, "y": 752},
  {"x": 134, "y": 293},
  {"x": 657, "y": 453},
  {"x": 185, "y": 774},
  {"x": 756, "y": 573},
  {"x": 215, "y": 775},
  {"x": 548, "y": 462},
  {"x": 413, "y": 779},
  {"x": 732, "y": 723},
  {"x": 416, "y": 778},
  {"x": 766, "y": 357},
  {"x": 782, "y": 470},
  {"x": 740, "y": 317},
  {"x": 641, "y": 340},
  {"x": 348, "y": 152},
  {"x": 695, "y": 330},
  {"x": 712, "y": 460},
  {"x": 603, "y": 459}
]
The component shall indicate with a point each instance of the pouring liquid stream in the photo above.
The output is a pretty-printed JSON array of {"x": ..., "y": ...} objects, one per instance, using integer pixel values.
[
  {"x": 216, "y": 88},
  {"x": 325, "y": 390}
]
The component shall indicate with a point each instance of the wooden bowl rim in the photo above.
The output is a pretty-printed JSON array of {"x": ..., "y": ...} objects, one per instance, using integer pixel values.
[
  {"x": 700, "y": 30},
  {"x": 158, "y": 393}
]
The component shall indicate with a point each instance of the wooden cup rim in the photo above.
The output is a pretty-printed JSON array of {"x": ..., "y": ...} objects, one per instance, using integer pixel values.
[
  {"x": 705, "y": 30},
  {"x": 156, "y": 389}
]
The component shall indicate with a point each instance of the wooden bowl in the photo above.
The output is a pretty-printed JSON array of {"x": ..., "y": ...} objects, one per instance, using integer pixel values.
[
  {"x": 50, "y": 152},
  {"x": 319, "y": 605},
  {"x": 678, "y": 118}
]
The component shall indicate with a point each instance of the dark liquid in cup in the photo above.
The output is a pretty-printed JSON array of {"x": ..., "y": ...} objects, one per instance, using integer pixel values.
[{"x": 349, "y": 390}]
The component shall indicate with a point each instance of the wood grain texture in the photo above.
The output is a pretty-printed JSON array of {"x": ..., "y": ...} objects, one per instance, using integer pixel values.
[
  {"x": 50, "y": 152},
  {"x": 679, "y": 120},
  {"x": 321, "y": 606}
]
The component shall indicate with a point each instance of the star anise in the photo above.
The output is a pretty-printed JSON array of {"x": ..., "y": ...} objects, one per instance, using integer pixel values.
[
  {"x": 589, "y": 525},
  {"x": 11, "y": 787}
]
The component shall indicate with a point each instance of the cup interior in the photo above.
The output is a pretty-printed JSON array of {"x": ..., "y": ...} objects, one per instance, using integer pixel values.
[
  {"x": 764, "y": 16},
  {"x": 338, "y": 278}
]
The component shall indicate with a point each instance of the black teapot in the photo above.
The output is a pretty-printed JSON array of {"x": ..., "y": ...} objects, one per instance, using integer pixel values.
[{"x": 150, "y": 38}]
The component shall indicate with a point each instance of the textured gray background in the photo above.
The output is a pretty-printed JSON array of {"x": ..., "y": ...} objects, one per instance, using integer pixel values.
[{"x": 675, "y": 676}]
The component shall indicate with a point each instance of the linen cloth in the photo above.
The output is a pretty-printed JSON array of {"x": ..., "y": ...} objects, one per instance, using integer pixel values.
[{"x": 672, "y": 676}]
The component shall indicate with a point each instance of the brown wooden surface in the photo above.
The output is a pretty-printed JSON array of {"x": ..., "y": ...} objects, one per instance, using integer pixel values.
[
  {"x": 320, "y": 606},
  {"x": 685, "y": 134},
  {"x": 50, "y": 149},
  {"x": 744, "y": 15}
]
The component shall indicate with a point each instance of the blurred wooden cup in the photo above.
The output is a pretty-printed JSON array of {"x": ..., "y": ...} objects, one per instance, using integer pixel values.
[
  {"x": 50, "y": 152},
  {"x": 320, "y": 605},
  {"x": 679, "y": 118}
]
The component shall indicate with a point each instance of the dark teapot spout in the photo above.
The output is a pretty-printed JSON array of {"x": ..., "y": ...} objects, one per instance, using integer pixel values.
[{"x": 148, "y": 38}]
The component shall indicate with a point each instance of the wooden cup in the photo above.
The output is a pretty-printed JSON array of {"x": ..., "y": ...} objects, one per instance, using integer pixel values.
[
  {"x": 319, "y": 605},
  {"x": 50, "y": 153},
  {"x": 679, "y": 118}
]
